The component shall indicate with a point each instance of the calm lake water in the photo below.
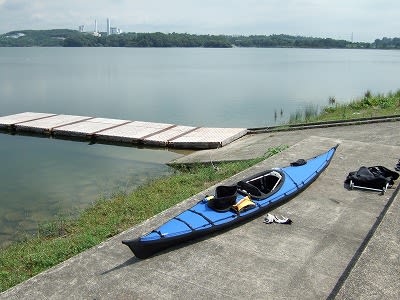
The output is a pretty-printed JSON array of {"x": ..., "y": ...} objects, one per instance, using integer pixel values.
[{"x": 40, "y": 177}]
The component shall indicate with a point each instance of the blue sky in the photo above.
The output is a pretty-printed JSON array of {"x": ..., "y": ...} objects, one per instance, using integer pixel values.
[{"x": 339, "y": 19}]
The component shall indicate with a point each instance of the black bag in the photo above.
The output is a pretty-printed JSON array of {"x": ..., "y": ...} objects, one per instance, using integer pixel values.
[{"x": 376, "y": 177}]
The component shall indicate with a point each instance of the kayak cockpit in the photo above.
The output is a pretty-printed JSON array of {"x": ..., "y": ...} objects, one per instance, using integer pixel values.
[{"x": 262, "y": 185}]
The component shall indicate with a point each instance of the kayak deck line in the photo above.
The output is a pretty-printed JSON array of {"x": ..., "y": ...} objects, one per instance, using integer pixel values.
[{"x": 120, "y": 131}]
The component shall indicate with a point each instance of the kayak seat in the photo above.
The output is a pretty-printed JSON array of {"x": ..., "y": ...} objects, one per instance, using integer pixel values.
[{"x": 225, "y": 197}]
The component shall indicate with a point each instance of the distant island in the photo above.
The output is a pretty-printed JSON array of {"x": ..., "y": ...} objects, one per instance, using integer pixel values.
[{"x": 74, "y": 38}]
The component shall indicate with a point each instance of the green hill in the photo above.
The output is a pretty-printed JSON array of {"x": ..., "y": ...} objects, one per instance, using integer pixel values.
[
  {"x": 73, "y": 38},
  {"x": 37, "y": 38}
]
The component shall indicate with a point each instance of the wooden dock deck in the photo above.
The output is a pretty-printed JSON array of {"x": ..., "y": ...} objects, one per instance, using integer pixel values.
[{"x": 121, "y": 131}]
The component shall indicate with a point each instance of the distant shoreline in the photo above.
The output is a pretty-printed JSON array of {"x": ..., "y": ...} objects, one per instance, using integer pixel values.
[{"x": 74, "y": 38}]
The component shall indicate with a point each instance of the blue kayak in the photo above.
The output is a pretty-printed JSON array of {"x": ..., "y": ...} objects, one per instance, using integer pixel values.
[{"x": 235, "y": 204}]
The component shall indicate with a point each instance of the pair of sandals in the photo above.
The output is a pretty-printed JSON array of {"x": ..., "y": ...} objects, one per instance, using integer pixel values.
[{"x": 270, "y": 218}]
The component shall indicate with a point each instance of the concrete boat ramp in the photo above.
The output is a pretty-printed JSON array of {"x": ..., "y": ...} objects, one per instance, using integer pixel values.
[
  {"x": 121, "y": 131},
  {"x": 342, "y": 244}
]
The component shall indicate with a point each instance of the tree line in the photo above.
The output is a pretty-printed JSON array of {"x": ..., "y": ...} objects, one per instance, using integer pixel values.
[
  {"x": 156, "y": 39},
  {"x": 73, "y": 38},
  {"x": 387, "y": 43}
]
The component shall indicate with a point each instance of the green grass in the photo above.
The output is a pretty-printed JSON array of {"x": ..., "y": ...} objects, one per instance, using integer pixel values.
[
  {"x": 368, "y": 106},
  {"x": 63, "y": 238},
  {"x": 307, "y": 114}
]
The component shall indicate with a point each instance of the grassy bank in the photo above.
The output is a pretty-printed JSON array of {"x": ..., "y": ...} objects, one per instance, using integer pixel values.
[
  {"x": 59, "y": 240},
  {"x": 367, "y": 106}
]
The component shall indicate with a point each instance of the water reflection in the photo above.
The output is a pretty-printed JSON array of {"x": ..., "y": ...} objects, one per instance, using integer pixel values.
[{"x": 42, "y": 177}]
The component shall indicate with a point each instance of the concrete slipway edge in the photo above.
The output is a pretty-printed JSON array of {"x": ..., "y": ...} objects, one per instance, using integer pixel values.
[{"x": 328, "y": 251}]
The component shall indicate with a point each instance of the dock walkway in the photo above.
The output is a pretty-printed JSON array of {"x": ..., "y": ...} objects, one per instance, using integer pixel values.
[{"x": 121, "y": 131}]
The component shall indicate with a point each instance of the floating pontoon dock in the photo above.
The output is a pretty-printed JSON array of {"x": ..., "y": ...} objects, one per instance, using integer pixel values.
[{"x": 121, "y": 131}]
